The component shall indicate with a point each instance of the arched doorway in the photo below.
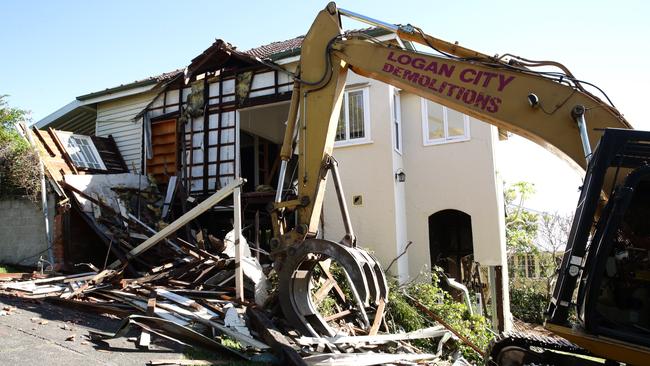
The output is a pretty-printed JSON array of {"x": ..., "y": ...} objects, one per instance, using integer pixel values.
[{"x": 450, "y": 240}]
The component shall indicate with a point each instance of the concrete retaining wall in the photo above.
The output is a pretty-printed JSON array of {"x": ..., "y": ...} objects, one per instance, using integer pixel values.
[{"x": 22, "y": 230}]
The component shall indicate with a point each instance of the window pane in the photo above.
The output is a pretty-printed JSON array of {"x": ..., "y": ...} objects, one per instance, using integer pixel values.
[
  {"x": 435, "y": 121},
  {"x": 455, "y": 123},
  {"x": 397, "y": 135},
  {"x": 395, "y": 106},
  {"x": 82, "y": 153},
  {"x": 340, "y": 128},
  {"x": 227, "y": 119},
  {"x": 355, "y": 106},
  {"x": 396, "y": 119}
]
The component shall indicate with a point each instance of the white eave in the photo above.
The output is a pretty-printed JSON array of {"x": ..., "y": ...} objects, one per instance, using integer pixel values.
[
  {"x": 58, "y": 113},
  {"x": 80, "y": 114}
]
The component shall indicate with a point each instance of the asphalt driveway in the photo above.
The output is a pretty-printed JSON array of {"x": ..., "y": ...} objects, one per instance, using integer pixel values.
[{"x": 40, "y": 333}]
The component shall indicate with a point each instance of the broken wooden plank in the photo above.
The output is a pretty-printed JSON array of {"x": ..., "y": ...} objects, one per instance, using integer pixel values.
[
  {"x": 181, "y": 300},
  {"x": 64, "y": 153},
  {"x": 379, "y": 315},
  {"x": 365, "y": 359},
  {"x": 340, "y": 315},
  {"x": 431, "y": 332},
  {"x": 322, "y": 292},
  {"x": 278, "y": 342},
  {"x": 183, "y": 220},
  {"x": 96, "y": 279},
  {"x": 145, "y": 337},
  {"x": 338, "y": 289}
]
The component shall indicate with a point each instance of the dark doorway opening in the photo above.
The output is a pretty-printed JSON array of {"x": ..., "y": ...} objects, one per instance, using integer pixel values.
[{"x": 450, "y": 242}]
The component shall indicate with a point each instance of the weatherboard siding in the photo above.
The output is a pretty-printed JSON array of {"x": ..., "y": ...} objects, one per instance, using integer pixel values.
[{"x": 116, "y": 118}]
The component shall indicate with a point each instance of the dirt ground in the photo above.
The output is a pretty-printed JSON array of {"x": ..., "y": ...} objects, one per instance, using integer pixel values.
[{"x": 40, "y": 333}]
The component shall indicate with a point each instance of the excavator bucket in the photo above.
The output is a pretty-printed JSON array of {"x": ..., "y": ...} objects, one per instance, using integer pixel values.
[{"x": 318, "y": 268}]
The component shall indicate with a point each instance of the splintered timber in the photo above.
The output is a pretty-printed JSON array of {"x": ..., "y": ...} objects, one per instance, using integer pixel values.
[{"x": 429, "y": 72}]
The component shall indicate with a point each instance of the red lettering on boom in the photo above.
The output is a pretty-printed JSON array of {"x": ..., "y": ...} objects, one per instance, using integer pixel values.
[
  {"x": 460, "y": 93},
  {"x": 447, "y": 70}
]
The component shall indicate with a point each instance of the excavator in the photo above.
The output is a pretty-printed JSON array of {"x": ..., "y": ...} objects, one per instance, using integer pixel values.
[{"x": 600, "y": 307}]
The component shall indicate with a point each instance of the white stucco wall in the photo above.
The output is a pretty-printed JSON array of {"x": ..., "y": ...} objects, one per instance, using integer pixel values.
[
  {"x": 458, "y": 175},
  {"x": 367, "y": 170}
]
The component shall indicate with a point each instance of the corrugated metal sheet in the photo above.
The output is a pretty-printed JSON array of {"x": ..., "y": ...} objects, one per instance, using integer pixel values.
[{"x": 116, "y": 119}]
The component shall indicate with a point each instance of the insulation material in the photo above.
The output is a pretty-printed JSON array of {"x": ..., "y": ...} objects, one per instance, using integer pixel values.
[
  {"x": 244, "y": 85},
  {"x": 195, "y": 100}
]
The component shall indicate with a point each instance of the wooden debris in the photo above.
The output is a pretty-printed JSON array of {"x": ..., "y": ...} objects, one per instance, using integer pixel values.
[
  {"x": 378, "y": 317},
  {"x": 181, "y": 221},
  {"x": 280, "y": 344},
  {"x": 432, "y": 332},
  {"x": 365, "y": 359}
]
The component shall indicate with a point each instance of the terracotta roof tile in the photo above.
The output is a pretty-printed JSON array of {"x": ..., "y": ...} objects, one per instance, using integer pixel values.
[
  {"x": 293, "y": 44},
  {"x": 275, "y": 48}
]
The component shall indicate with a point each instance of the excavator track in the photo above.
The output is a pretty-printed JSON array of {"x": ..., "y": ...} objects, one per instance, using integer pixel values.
[{"x": 525, "y": 349}]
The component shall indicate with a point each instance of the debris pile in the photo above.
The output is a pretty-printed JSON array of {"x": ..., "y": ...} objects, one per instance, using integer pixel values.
[
  {"x": 192, "y": 301},
  {"x": 194, "y": 287}
]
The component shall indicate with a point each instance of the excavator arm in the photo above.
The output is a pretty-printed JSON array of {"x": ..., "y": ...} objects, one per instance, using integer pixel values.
[
  {"x": 542, "y": 106},
  {"x": 551, "y": 108}
]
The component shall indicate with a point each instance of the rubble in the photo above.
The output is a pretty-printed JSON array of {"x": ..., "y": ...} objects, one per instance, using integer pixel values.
[{"x": 185, "y": 288}]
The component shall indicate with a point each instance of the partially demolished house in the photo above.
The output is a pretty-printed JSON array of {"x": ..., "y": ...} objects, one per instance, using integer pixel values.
[{"x": 194, "y": 130}]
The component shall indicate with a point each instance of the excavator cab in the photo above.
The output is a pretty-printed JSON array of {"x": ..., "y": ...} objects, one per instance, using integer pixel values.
[
  {"x": 614, "y": 292},
  {"x": 607, "y": 259},
  {"x": 615, "y": 296}
]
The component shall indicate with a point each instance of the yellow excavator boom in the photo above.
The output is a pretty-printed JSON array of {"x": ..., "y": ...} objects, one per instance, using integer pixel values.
[{"x": 551, "y": 108}]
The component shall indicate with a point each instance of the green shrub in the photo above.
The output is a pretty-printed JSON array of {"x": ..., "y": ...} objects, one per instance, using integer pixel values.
[
  {"x": 408, "y": 318},
  {"x": 528, "y": 303},
  {"x": 19, "y": 174}
]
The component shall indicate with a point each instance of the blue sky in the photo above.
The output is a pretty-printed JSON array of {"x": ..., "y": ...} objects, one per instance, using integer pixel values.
[{"x": 53, "y": 51}]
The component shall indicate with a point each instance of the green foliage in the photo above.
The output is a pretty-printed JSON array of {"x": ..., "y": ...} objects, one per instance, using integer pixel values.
[
  {"x": 19, "y": 173},
  {"x": 405, "y": 317},
  {"x": 521, "y": 225},
  {"x": 408, "y": 318},
  {"x": 8, "y": 269},
  {"x": 9, "y": 116},
  {"x": 327, "y": 306},
  {"x": 528, "y": 303}
]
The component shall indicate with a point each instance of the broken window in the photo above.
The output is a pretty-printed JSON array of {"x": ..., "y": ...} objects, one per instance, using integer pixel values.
[
  {"x": 354, "y": 120},
  {"x": 441, "y": 124},
  {"x": 82, "y": 150}
]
